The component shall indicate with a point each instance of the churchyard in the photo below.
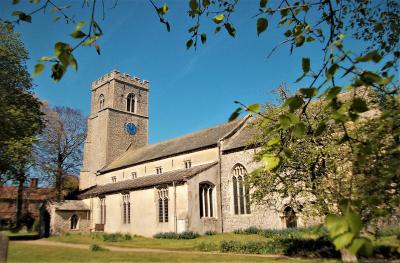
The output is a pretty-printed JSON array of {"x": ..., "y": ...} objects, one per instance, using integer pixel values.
[{"x": 245, "y": 245}]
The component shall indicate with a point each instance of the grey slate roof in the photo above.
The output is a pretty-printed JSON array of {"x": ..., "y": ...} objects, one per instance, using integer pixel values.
[
  {"x": 243, "y": 138},
  {"x": 193, "y": 141},
  {"x": 71, "y": 205},
  {"x": 148, "y": 181}
]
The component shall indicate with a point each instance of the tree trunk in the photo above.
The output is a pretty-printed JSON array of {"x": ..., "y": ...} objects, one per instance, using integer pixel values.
[
  {"x": 59, "y": 175},
  {"x": 20, "y": 200},
  {"x": 347, "y": 257},
  {"x": 3, "y": 248}
]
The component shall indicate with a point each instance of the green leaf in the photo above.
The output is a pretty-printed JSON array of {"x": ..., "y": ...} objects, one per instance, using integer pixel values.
[
  {"x": 305, "y": 64},
  {"x": 262, "y": 24},
  {"x": 310, "y": 39},
  {"x": 22, "y": 16},
  {"x": 294, "y": 103},
  {"x": 230, "y": 29},
  {"x": 97, "y": 48},
  {"x": 343, "y": 240},
  {"x": 217, "y": 29},
  {"x": 273, "y": 141},
  {"x": 90, "y": 41},
  {"x": 356, "y": 245},
  {"x": 331, "y": 71},
  {"x": 309, "y": 92},
  {"x": 288, "y": 33},
  {"x": 73, "y": 63},
  {"x": 299, "y": 130},
  {"x": 336, "y": 225},
  {"x": 270, "y": 161},
  {"x": 79, "y": 25},
  {"x": 255, "y": 108},
  {"x": 164, "y": 9},
  {"x": 235, "y": 114},
  {"x": 77, "y": 34},
  {"x": 320, "y": 129},
  {"x": 45, "y": 58},
  {"x": 61, "y": 47},
  {"x": 218, "y": 18},
  {"x": 284, "y": 121},
  {"x": 193, "y": 4},
  {"x": 189, "y": 43},
  {"x": 370, "y": 77},
  {"x": 287, "y": 152},
  {"x": 38, "y": 69},
  {"x": 333, "y": 92},
  {"x": 206, "y": 3},
  {"x": 359, "y": 105},
  {"x": 299, "y": 40},
  {"x": 263, "y": 3},
  {"x": 203, "y": 38},
  {"x": 373, "y": 55},
  {"x": 354, "y": 222}
]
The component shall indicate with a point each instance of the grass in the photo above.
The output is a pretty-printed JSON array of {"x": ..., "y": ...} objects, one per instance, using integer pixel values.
[
  {"x": 33, "y": 253},
  {"x": 145, "y": 242},
  {"x": 10, "y": 233}
]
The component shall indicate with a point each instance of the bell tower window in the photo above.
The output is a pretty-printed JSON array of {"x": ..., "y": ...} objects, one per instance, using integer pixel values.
[
  {"x": 101, "y": 101},
  {"x": 131, "y": 102}
]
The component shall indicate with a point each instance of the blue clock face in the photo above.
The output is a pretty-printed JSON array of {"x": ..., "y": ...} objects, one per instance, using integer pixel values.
[{"x": 131, "y": 128}]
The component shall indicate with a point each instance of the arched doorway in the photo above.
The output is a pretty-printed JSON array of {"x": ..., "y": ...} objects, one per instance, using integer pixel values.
[{"x": 290, "y": 217}]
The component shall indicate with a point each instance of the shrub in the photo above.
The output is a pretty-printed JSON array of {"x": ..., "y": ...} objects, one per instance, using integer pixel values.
[
  {"x": 173, "y": 235},
  {"x": 248, "y": 231},
  {"x": 210, "y": 233},
  {"x": 391, "y": 231},
  {"x": 207, "y": 246},
  {"x": 97, "y": 248}
]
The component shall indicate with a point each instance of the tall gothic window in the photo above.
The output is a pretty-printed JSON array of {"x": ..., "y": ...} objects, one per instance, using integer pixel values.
[
  {"x": 74, "y": 221},
  {"x": 130, "y": 102},
  {"x": 101, "y": 101},
  {"x": 162, "y": 205},
  {"x": 126, "y": 209},
  {"x": 241, "y": 196},
  {"x": 102, "y": 210},
  {"x": 206, "y": 202}
]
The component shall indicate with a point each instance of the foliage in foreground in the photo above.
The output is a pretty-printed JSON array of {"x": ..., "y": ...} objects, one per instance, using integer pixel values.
[{"x": 96, "y": 248}]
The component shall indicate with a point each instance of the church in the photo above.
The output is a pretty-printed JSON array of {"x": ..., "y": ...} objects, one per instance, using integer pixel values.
[{"x": 191, "y": 183}]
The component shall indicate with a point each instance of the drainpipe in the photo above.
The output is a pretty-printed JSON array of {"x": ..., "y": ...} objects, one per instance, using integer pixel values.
[
  {"x": 220, "y": 184},
  {"x": 175, "y": 218}
]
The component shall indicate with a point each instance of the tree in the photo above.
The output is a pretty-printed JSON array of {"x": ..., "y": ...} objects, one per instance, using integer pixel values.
[
  {"x": 59, "y": 147},
  {"x": 20, "y": 114}
]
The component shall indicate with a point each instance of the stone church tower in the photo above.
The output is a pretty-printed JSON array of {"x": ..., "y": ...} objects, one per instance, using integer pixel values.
[{"x": 118, "y": 121}]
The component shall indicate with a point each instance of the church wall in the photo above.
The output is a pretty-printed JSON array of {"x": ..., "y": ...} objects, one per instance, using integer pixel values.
[
  {"x": 167, "y": 164},
  {"x": 144, "y": 211},
  {"x": 61, "y": 222},
  {"x": 195, "y": 223},
  {"x": 261, "y": 216}
]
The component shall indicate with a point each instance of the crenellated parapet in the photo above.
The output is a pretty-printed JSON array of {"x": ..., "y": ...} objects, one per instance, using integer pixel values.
[{"x": 123, "y": 77}]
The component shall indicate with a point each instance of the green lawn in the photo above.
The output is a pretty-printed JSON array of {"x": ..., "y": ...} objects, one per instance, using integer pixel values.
[
  {"x": 145, "y": 242},
  {"x": 18, "y": 233},
  {"x": 33, "y": 253}
]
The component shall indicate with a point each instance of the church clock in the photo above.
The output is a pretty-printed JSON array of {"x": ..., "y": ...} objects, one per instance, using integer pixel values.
[{"x": 131, "y": 128}]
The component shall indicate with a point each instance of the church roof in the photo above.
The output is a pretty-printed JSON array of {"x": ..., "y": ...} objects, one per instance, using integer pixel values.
[
  {"x": 244, "y": 138},
  {"x": 70, "y": 205},
  {"x": 148, "y": 181},
  {"x": 187, "y": 143}
]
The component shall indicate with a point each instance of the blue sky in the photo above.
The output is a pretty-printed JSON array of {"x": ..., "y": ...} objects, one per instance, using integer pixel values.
[{"x": 189, "y": 90}]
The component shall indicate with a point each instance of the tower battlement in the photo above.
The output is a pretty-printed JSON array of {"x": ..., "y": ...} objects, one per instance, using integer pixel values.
[{"x": 123, "y": 77}]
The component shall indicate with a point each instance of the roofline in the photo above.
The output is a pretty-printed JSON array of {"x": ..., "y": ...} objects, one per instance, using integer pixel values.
[{"x": 215, "y": 145}]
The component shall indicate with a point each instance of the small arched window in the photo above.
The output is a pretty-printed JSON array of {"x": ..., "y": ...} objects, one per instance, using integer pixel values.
[
  {"x": 131, "y": 102},
  {"x": 290, "y": 217},
  {"x": 206, "y": 202},
  {"x": 74, "y": 222},
  {"x": 241, "y": 195},
  {"x": 101, "y": 101}
]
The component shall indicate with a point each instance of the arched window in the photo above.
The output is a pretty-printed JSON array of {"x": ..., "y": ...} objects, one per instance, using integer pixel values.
[
  {"x": 126, "y": 208},
  {"x": 131, "y": 102},
  {"x": 74, "y": 221},
  {"x": 101, "y": 101},
  {"x": 241, "y": 195},
  {"x": 162, "y": 205},
  {"x": 206, "y": 202},
  {"x": 290, "y": 217}
]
